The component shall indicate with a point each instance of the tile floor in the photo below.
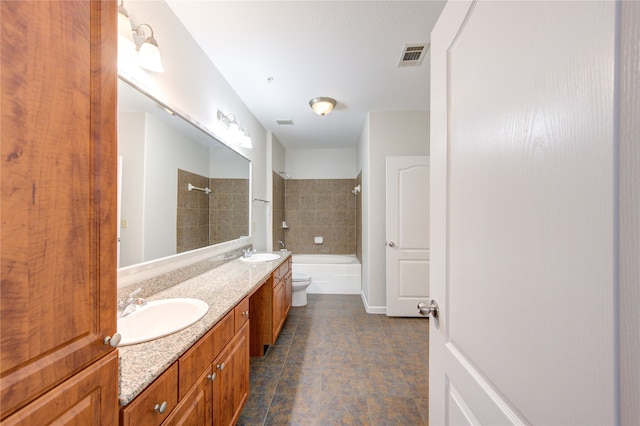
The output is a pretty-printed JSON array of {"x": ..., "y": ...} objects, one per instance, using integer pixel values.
[{"x": 334, "y": 364}]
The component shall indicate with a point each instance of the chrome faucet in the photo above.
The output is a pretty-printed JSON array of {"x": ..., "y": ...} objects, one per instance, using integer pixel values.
[
  {"x": 248, "y": 252},
  {"x": 282, "y": 247},
  {"x": 129, "y": 306}
]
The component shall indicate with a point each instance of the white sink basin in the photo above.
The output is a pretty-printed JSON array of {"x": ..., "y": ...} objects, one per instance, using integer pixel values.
[
  {"x": 159, "y": 318},
  {"x": 261, "y": 257}
]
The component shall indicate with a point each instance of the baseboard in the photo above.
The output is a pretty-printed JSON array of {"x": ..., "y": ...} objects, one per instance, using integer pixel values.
[{"x": 380, "y": 310}]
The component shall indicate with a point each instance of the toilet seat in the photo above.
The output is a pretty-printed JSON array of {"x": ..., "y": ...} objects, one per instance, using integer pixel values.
[{"x": 299, "y": 277}]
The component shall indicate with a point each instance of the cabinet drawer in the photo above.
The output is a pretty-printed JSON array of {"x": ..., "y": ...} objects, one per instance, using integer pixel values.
[
  {"x": 223, "y": 332},
  {"x": 193, "y": 362},
  {"x": 145, "y": 409},
  {"x": 242, "y": 313},
  {"x": 282, "y": 271}
]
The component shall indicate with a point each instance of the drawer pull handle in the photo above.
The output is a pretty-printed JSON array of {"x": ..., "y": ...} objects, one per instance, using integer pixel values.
[
  {"x": 212, "y": 377},
  {"x": 161, "y": 408},
  {"x": 220, "y": 366}
]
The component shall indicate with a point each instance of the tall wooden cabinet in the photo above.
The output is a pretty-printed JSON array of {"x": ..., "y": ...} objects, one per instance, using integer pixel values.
[{"x": 58, "y": 207}]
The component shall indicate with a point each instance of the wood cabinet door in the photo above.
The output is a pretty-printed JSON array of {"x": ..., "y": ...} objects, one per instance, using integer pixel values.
[
  {"x": 88, "y": 398},
  {"x": 195, "y": 409},
  {"x": 278, "y": 308},
  {"x": 288, "y": 293},
  {"x": 58, "y": 205},
  {"x": 231, "y": 385}
]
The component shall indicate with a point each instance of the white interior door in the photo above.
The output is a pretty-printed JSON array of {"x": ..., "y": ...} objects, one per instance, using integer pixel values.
[
  {"x": 407, "y": 231},
  {"x": 523, "y": 160}
]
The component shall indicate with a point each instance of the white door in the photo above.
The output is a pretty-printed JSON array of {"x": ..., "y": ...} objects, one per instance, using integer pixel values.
[
  {"x": 523, "y": 261},
  {"x": 407, "y": 234}
]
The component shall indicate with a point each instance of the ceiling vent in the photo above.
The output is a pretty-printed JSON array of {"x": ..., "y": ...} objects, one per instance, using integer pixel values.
[
  {"x": 285, "y": 122},
  {"x": 413, "y": 54}
]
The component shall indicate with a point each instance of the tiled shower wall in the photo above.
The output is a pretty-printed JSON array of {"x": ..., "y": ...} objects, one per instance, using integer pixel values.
[
  {"x": 278, "y": 211},
  {"x": 203, "y": 219},
  {"x": 192, "y": 227},
  {"x": 228, "y": 212},
  {"x": 320, "y": 208}
]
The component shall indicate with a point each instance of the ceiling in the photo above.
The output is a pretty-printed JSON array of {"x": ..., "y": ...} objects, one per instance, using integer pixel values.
[{"x": 277, "y": 55}]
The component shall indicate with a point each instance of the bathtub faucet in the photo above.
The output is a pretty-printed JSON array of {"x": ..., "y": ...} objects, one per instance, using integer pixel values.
[{"x": 282, "y": 247}]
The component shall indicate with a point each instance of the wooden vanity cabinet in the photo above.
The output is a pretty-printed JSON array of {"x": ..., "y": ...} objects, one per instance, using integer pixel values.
[
  {"x": 155, "y": 403},
  {"x": 84, "y": 399},
  {"x": 231, "y": 381},
  {"x": 269, "y": 307},
  {"x": 58, "y": 211},
  {"x": 196, "y": 407},
  {"x": 282, "y": 297},
  {"x": 209, "y": 384}
]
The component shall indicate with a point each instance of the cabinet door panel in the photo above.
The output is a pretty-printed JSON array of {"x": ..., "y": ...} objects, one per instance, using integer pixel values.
[
  {"x": 88, "y": 398},
  {"x": 288, "y": 291},
  {"x": 278, "y": 308},
  {"x": 195, "y": 408},
  {"x": 58, "y": 243},
  {"x": 231, "y": 386}
]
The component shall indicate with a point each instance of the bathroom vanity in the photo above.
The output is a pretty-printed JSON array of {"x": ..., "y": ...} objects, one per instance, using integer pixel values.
[{"x": 200, "y": 375}]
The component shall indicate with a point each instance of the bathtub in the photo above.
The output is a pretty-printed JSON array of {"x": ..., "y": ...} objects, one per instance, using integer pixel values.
[{"x": 330, "y": 273}]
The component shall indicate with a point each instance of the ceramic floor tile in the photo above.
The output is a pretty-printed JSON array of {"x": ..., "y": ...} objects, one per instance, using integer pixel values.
[
  {"x": 393, "y": 411},
  {"x": 293, "y": 410},
  {"x": 343, "y": 410},
  {"x": 332, "y": 365},
  {"x": 256, "y": 409}
]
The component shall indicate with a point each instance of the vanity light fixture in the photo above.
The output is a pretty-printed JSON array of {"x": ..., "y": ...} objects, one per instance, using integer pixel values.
[
  {"x": 237, "y": 135},
  {"x": 322, "y": 105},
  {"x": 148, "y": 54},
  {"x": 125, "y": 31},
  {"x": 148, "y": 51}
]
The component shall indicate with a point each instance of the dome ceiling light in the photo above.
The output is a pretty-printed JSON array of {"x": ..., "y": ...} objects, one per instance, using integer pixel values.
[{"x": 322, "y": 106}]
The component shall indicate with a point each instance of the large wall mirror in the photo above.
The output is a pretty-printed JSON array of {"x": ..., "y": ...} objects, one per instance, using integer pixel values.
[{"x": 181, "y": 189}]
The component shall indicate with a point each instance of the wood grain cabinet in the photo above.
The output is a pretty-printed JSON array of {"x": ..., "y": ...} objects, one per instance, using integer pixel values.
[
  {"x": 231, "y": 380},
  {"x": 209, "y": 384},
  {"x": 282, "y": 297},
  {"x": 58, "y": 212},
  {"x": 269, "y": 306}
]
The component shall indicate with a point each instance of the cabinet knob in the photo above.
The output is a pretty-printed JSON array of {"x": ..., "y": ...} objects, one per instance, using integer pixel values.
[
  {"x": 245, "y": 313},
  {"x": 161, "y": 408},
  {"x": 212, "y": 377},
  {"x": 220, "y": 366},
  {"x": 112, "y": 340}
]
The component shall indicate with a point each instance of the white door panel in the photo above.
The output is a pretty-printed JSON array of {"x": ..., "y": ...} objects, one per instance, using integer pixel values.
[
  {"x": 407, "y": 233},
  {"x": 523, "y": 214}
]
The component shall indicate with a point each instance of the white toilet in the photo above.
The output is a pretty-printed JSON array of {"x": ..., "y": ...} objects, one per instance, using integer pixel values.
[{"x": 300, "y": 284}]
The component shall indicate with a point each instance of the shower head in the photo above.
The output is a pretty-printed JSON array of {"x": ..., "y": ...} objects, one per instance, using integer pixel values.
[{"x": 356, "y": 190}]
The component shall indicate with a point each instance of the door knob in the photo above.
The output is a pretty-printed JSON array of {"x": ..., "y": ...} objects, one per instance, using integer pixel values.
[
  {"x": 112, "y": 340},
  {"x": 391, "y": 244},
  {"x": 432, "y": 308}
]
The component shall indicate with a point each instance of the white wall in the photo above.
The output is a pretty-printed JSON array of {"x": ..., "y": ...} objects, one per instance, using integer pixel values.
[
  {"x": 277, "y": 155},
  {"x": 131, "y": 135},
  {"x": 193, "y": 86},
  {"x": 321, "y": 163},
  {"x": 387, "y": 133},
  {"x": 166, "y": 152}
]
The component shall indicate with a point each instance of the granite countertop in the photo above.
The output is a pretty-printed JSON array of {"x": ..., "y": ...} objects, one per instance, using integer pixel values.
[{"x": 222, "y": 288}]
